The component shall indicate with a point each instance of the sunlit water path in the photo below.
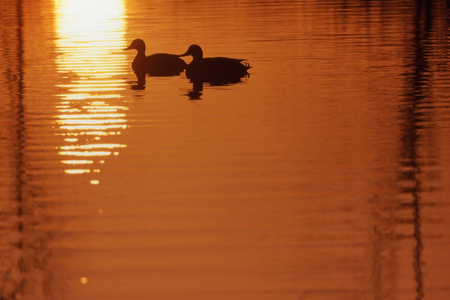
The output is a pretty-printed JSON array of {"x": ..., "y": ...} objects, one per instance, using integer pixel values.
[
  {"x": 90, "y": 61},
  {"x": 323, "y": 175}
]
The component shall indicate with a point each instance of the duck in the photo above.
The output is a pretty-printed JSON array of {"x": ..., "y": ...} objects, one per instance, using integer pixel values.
[
  {"x": 214, "y": 69},
  {"x": 158, "y": 64}
]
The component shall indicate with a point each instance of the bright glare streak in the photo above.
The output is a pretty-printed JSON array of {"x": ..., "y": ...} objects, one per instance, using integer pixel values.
[
  {"x": 71, "y": 140},
  {"x": 93, "y": 127},
  {"x": 105, "y": 107},
  {"x": 96, "y": 89},
  {"x": 85, "y": 153},
  {"x": 88, "y": 96},
  {"x": 78, "y": 162},
  {"x": 91, "y": 116},
  {"x": 91, "y": 121},
  {"x": 93, "y": 146},
  {"x": 92, "y": 85},
  {"x": 80, "y": 171},
  {"x": 101, "y": 133},
  {"x": 69, "y": 110}
]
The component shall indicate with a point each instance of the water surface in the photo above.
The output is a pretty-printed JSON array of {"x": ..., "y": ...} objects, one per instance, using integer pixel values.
[{"x": 323, "y": 175}]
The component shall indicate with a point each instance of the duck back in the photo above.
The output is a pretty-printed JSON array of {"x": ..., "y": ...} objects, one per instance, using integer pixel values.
[
  {"x": 217, "y": 68},
  {"x": 162, "y": 64}
]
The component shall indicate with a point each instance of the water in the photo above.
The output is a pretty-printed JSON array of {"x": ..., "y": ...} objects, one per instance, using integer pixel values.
[{"x": 324, "y": 175}]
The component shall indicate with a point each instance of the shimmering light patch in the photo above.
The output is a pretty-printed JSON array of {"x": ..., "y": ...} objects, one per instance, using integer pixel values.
[
  {"x": 91, "y": 121},
  {"x": 110, "y": 81},
  {"x": 83, "y": 89},
  {"x": 73, "y": 97},
  {"x": 91, "y": 85},
  {"x": 93, "y": 127},
  {"x": 98, "y": 109},
  {"x": 93, "y": 146},
  {"x": 69, "y": 110},
  {"x": 79, "y": 171},
  {"x": 78, "y": 162},
  {"x": 95, "y": 74},
  {"x": 85, "y": 153},
  {"x": 71, "y": 140},
  {"x": 83, "y": 96},
  {"x": 90, "y": 116},
  {"x": 83, "y": 280},
  {"x": 91, "y": 61},
  {"x": 95, "y": 182},
  {"x": 98, "y": 134}
]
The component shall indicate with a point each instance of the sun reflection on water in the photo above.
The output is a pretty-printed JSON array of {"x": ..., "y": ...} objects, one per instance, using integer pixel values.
[{"x": 90, "y": 60}]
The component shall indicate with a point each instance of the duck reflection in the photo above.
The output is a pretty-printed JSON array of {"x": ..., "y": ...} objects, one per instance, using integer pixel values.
[
  {"x": 215, "y": 71},
  {"x": 197, "y": 90},
  {"x": 91, "y": 64},
  {"x": 197, "y": 86},
  {"x": 158, "y": 64}
]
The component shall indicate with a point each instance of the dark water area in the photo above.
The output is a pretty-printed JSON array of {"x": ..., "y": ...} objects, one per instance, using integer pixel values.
[{"x": 324, "y": 174}]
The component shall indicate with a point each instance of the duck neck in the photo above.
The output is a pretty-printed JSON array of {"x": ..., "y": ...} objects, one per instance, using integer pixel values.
[
  {"x": 141, "y": 52},
  {"x": 197, "y": 58},
  {"x": 197, "y": 55}
]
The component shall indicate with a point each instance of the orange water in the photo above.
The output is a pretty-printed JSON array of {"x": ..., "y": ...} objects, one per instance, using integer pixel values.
[{"x": 324, "y": 175}]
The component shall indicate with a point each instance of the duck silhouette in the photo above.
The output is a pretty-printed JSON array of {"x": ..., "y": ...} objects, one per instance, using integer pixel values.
[
  {"x": 214, "y": 70},
  {"x": 158, "y": 64}
]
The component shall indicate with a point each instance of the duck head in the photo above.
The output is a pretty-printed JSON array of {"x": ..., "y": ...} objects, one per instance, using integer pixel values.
[
  {"x": 137, "y": 44},
  {"x": 195, "y": 51}
]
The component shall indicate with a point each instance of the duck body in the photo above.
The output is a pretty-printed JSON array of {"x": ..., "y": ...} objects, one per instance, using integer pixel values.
[
  {"x": 158, "y": 64},
  {"x": 215, "y": 69}
]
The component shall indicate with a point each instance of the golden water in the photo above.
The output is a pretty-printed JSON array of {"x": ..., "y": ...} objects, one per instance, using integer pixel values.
[{"x": 324, "y": 175}]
